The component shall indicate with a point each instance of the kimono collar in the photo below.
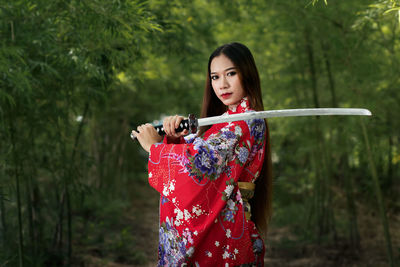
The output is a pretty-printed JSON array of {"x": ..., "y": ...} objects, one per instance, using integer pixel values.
[{"x": 242, "y": 106}]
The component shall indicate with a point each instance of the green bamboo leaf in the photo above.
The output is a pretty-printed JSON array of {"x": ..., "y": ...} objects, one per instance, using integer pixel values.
[
  {"x": 378, "y": 6},
  {"x": 391, "y": 10}
]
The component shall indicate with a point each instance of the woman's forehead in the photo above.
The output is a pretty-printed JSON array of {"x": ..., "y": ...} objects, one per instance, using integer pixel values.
[{"x": 221, "y": 63}]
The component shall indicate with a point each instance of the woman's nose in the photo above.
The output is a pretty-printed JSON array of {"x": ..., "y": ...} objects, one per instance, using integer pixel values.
[{"x": 224, "y": 83}]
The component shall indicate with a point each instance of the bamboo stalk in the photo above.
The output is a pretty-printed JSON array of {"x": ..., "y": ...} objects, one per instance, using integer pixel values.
[
  {"x": 352, "y": 214},
  {"x": 20, "y": 234},
  {"x": 351, "y": 208},
  {"x": 30, "y": 217},
  {"x": 33, "y": 199},
  {"x": 19, "y": 209},
  {"x": 378, "y": 196},
  {"x": 69, "y": 225},
  {"x": 3, "y": 218}
]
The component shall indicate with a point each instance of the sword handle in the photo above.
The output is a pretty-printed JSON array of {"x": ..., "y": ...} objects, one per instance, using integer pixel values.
[{"x": 190, "y": 124}]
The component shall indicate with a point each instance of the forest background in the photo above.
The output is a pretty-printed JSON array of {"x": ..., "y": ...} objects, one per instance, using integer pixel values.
[{"x": 77, "y": 76}]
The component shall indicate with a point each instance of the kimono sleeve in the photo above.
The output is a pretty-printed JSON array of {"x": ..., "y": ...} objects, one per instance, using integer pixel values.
[
  {"x": 167, "y": 140},
  {"x": 199, "y": 177}
]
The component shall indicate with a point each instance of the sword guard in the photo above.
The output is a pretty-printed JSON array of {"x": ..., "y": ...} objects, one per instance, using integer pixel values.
[{"x": 193, "y": 123}]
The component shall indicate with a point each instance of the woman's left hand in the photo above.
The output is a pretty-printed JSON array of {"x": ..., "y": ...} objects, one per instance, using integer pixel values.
[{"x": 147, "y": 136}]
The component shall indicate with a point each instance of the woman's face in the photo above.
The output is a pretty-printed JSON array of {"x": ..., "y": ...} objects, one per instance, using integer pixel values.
[{"x": 225, "y": 81}]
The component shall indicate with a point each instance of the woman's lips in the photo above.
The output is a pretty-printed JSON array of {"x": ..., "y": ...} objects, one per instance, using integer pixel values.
[{"x": 226, "y": 95}]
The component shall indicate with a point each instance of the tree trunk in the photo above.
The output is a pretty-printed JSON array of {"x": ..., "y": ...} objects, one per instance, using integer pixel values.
[
  {"x": 378, "y": 196},
  {"x": 58, "y": 234},
  {"x": 17, "y": 181},
  {"x": 326, "y": 217},
  {"x": 343, "y": 158},
  {"x": 30, "y": 218},
  {"x": 331, "y": 80},
  {"x": 390, "y": 151},
  {"x": 3, "y": 219}
]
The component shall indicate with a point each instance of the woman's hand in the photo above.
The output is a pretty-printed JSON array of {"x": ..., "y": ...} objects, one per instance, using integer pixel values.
[
  {"x": 170, "y": 124},
  {"x": 147, "y": 136}
]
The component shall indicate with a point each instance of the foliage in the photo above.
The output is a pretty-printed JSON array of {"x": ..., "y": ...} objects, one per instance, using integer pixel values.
[{"x": 77, "y": 76}]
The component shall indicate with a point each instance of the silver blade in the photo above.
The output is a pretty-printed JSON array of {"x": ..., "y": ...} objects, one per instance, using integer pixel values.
[{"x": 284, "y": 113}]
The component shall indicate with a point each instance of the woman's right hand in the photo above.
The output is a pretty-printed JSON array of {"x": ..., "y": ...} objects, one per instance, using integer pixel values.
[{"x": 170, "y": 124}]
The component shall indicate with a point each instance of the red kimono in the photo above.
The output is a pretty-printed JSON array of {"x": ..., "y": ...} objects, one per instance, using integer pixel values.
[{"x": 202, "y": 213}]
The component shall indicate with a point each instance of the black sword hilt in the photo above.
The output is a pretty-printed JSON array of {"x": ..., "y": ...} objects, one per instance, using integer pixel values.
[{"x": 190, "y": 124}]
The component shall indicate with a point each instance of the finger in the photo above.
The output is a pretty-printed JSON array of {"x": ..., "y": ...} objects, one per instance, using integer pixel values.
[
  {"x": 141, "y": 129},
  {"x": 184, "y": 132},
  {"x": 150, "y": 128},
  {"x": 173, "y": 125},
  {"x": 165, "y": 125},
  {"x": 171, "y": 129},
  {"x": 165, "y": 122},
  {"x": 178, "y": 120},
  {"x": 134, "y": 134}
]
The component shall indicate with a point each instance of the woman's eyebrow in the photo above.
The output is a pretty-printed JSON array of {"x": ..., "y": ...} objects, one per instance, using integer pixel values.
[{"x": 230, "y": 68}]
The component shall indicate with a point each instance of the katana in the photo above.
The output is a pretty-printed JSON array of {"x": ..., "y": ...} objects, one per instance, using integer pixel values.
[{"x": 192, "y": 123}]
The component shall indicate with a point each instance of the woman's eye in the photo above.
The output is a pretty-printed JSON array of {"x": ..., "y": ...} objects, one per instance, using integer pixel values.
[
  {"x": 214, "y": 77},
  {"x": 231, "y": 73}
]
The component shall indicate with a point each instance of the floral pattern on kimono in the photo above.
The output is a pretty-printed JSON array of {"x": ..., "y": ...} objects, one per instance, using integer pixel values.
[{"x": 202, "y": 219}]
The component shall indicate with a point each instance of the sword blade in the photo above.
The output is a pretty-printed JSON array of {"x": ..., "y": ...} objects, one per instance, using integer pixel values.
[{"x": 284, "y": 113}]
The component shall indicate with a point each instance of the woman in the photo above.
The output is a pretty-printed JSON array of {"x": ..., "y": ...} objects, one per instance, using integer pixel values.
[{"x": 208, "y": 214}]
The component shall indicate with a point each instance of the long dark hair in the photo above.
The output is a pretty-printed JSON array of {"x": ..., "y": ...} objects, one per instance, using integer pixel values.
[{"x": 244, "y": 62}]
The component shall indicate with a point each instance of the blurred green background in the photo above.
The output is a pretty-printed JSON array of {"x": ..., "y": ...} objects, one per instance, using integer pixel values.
[{"x": 76, "y": 76}]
